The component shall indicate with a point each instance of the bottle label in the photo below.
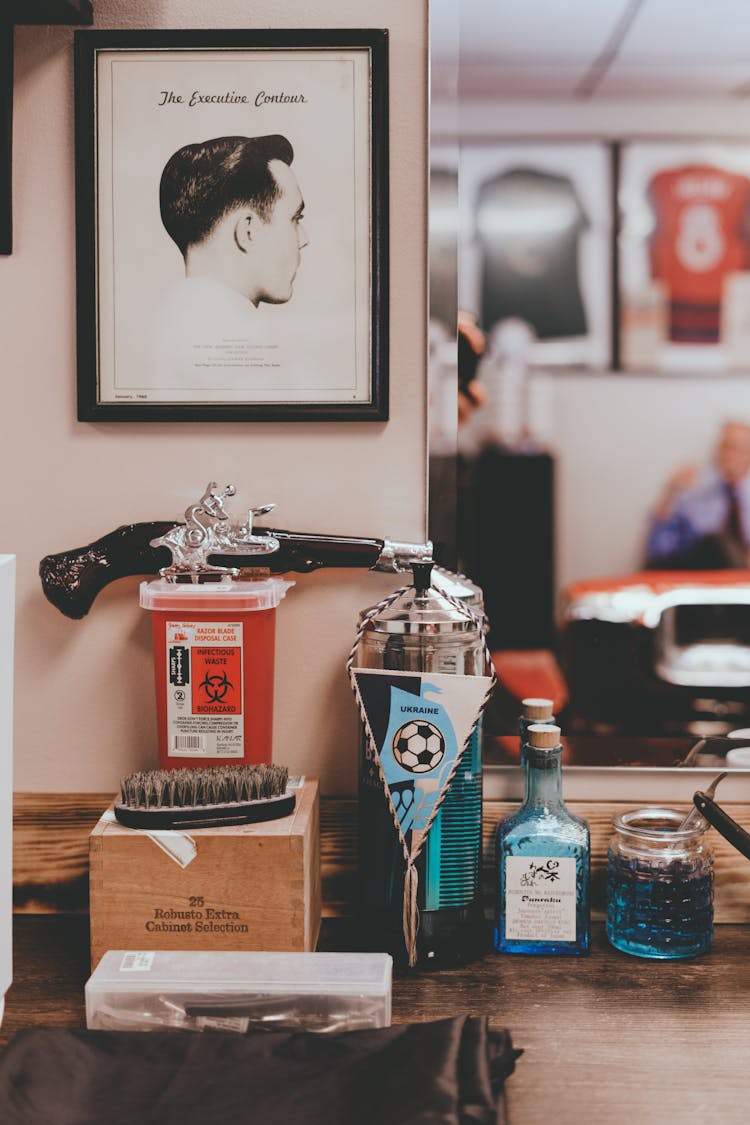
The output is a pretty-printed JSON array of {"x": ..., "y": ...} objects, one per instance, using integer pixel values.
[
  {"x": 540, "y": 898},
  {"x": 204, "y": 689}
]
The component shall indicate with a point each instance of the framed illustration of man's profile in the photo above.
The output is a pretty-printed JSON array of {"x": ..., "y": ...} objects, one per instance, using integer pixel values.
[{"x": 232, "y": 225}]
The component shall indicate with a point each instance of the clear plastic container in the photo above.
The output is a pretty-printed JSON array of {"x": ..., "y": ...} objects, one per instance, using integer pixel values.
[
  {"x": 214, "y": 669},
  {"x": 239, "y": 991}
]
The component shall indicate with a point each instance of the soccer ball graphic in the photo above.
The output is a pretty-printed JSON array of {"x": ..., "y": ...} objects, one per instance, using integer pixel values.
[{"x": 418, "y": 747}]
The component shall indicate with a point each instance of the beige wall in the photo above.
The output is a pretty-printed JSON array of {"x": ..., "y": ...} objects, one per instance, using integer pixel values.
[{"x": 84, "y": 697}]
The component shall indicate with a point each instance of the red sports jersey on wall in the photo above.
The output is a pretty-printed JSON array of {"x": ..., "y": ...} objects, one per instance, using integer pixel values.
[{"x": 701, "y": 234}]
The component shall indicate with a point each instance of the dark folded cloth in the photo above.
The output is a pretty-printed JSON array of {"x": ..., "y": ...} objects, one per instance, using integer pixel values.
[{"x": 446, "y": 1073}]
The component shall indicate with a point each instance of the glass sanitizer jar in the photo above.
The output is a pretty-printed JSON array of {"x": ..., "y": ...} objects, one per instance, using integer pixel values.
[
  {"x": 659, "y": 885},
  {"x": 543, "y": 861},
  {"x": 424, "y": 631}
]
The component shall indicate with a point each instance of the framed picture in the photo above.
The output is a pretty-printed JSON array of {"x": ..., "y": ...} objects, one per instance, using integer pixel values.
[
  {"x": 684, "y": 256},
  {"x": 232, "y": 225},
  {"x": 536, "y": 246}
]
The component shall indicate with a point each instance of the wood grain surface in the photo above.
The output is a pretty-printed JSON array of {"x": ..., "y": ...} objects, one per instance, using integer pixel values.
[
  {"x": 610, "y": 1038},
  {"x": 607, "y": 1038},
  {"x": 51, "y": 847},
  {"x": 51, "y": 830}
]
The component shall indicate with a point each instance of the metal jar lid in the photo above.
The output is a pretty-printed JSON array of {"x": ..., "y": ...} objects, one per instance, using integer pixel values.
[{"x": 422, "y": 610}]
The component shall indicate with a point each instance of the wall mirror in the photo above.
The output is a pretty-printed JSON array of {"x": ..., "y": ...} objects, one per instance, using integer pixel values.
[{"x": 559, "y": 470}]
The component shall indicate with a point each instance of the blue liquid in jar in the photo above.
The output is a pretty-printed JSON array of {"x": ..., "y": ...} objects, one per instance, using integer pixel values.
[{"x": 663, "y": 911}]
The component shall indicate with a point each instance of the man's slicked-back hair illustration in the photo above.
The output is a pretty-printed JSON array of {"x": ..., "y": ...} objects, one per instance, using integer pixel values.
[{"x": 201, "y": 183}]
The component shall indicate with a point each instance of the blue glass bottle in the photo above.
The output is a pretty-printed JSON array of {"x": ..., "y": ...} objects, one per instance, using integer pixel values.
[{"x": 543, "y": 861}]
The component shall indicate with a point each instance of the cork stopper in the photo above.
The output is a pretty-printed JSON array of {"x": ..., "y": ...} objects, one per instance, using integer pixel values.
[
  {"x": 537, "y": 709},
  {"x": 543, "y": 738}
]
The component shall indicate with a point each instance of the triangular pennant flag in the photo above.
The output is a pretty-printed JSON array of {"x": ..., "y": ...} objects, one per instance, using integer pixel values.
[{"x": 417, "y": 726}]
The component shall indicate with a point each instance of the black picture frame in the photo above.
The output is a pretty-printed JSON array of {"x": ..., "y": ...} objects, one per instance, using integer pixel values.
[{"x": 330, "y": 358}]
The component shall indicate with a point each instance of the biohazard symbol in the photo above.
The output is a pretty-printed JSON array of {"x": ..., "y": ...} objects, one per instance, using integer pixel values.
[{"x": 216, "y": 687}]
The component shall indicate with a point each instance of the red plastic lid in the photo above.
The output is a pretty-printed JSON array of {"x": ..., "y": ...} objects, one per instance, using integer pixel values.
[{"x": 227, "y": 595}]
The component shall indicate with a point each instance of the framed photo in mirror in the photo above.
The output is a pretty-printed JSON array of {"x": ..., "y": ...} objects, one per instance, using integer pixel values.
[
  {"x": 684, "y": 256},
  {"x": 232, "y": 225},
  {"x": 536, "y": 245}
]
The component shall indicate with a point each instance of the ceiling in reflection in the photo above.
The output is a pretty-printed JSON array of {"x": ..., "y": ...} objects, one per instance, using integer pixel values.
[{"x": 599, "y": 48}]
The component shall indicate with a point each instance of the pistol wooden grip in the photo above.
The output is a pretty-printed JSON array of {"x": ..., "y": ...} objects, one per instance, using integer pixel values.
[{"x": 72, "y": 579}]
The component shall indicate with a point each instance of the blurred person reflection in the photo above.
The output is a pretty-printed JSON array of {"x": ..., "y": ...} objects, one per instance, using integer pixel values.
[
  {"x": 472, "y": 396},
  {"x": 471, "y": 344},
  {"x": 701, "y": 521}
]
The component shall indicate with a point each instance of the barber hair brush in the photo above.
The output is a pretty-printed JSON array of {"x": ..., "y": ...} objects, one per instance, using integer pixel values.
[{"x": 208, "y": 797}]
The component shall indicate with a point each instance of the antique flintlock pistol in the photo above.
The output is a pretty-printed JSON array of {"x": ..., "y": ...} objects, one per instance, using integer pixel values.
[{"x": 207, "y": 547}]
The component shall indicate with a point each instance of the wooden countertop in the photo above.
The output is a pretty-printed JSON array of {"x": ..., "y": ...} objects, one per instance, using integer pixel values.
[{"x": 607, "y": 1038}]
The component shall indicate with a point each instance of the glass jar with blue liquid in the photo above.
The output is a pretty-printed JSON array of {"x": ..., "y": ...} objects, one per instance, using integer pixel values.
[{"x": 659, "y": 885}]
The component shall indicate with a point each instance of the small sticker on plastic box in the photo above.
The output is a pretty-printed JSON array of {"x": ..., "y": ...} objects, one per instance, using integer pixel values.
[
  {"x": 223, "y": 1023},
  {"x": 137, "y": 962}
]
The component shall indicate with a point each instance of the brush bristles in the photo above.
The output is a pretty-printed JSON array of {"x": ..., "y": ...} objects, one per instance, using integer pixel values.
[{"x": 211, "y": 785}]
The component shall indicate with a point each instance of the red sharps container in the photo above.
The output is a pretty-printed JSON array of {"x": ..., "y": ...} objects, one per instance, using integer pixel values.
[{"x": 214, "y": 667}]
